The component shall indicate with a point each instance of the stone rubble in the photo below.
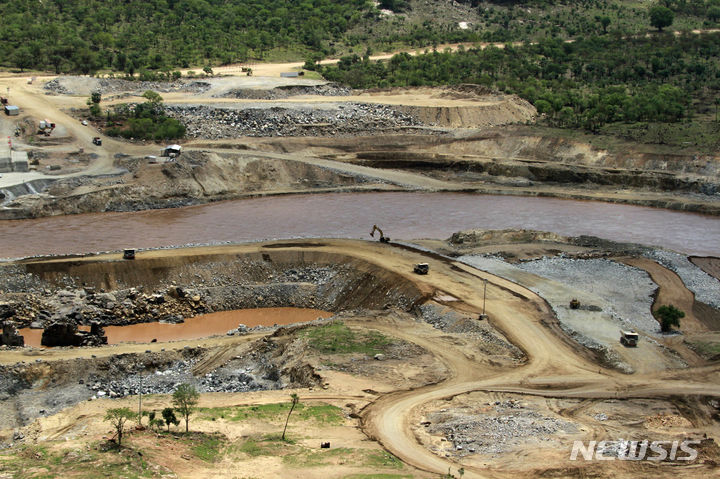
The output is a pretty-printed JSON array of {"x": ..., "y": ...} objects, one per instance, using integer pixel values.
[
  {"x": 352, "y": 118},
  {"x": 705, "y": 287}
]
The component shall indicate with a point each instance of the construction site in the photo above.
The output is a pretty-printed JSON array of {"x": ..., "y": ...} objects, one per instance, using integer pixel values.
[{"x": 421, "y": 267}]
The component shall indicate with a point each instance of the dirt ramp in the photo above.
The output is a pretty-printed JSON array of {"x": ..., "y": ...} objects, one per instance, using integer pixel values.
[{"x": 503, "y": 111}]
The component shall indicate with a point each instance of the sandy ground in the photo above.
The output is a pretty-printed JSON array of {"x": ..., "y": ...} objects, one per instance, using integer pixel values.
[{"x": 555, "y": 368}]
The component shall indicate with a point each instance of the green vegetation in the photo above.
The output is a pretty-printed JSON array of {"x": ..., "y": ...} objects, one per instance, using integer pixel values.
[
  {"x": 584, "y": 84},
  {"x": 169, "y": 417},
  {"x": 87, "y": 35},
  {"x": 318, "y": 413},
  {"x": 337, "y": 338},
  {"x": 707, "y": 349},
  {"x": 208, "y": 447},
  {"x": 151, "y": 38},
  {"x": 185, "y": 399},
  {"x": 669, "y": 316},
  {"x": 144, "y": 121},
  {"x": 91, "y": 463},
  {"x": 118, "y": 417}
]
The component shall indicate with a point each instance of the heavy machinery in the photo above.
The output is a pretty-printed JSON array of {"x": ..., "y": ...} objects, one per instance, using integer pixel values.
[
  {"x": 383, "y": 238},
  {"x": 45, "y": 127},
  {"x": 629, "y": 338},
  {"x": 421, "y": 268},
  {"x": 97, "y": 141}
]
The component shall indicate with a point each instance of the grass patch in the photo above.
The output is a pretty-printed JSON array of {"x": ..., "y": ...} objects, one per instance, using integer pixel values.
[
  {"x": 277, "y": 412},
  {"x": 383, "y": 459},
  {"x": 321, "y": 457},
  {"x": 39, "y": 463},
  {"x": 706, "y": 349},
  {"x": 337, "y": 338},
  {"x": 268, "y": 445}
]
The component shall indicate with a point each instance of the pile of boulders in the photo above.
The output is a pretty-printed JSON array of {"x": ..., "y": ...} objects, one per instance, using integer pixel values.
[
  {"x": 501, "y": 426},
  {"x": 117, "y": 308},
  {"x": 10, "y": 336},
  {"x": 66, "y": 333},
  {"x": 346, "y": 119},
  {"x": 328, "y": 89}
]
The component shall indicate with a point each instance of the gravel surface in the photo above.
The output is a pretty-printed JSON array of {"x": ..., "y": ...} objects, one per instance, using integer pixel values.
[
  {"x": 705, "y": 287},
  {"x": 612, "y": 297},
  {"x": 496, "y": 429},
  {"x": 628, "y": 291},
  {"x": 298, "y": 120}
]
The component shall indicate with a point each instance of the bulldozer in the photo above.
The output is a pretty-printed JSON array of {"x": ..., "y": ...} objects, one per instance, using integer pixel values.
[{"x": 383, "y": 238}]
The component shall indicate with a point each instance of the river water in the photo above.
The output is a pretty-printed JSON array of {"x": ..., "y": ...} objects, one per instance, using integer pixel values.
[
  {"x": 351, "y": 215},
  {"x": 202, "y": 326}
]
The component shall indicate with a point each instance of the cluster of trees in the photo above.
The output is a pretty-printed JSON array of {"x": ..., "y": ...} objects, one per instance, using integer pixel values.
[
  {"x": 87, "y": 35},
  {"x": 584, "y": 83},
  {"x": 144, "y": 121},
  {"x": 185, "y": 399}
]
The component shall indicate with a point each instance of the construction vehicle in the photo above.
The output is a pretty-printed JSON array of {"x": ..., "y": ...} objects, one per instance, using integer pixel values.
[
  {"x": 97, "y": 141},
  {"x": 3, "y": 100},
  {"x": 383, "y": 238},
  {"x": 421, "y": 268},
  {"x": 629, "y": 338},
  {"x": 129, "y": 254},
  {"x": 45, "y": 127}
]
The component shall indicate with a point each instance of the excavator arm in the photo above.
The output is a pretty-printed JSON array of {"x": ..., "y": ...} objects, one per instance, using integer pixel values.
[{"x": 383, "y": 238}]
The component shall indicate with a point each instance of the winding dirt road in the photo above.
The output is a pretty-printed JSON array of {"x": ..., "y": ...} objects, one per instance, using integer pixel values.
[{"x": 555, "y": 366}]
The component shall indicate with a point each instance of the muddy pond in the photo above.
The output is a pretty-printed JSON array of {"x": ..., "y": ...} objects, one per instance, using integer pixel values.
[{"x": 202, "y": 326}]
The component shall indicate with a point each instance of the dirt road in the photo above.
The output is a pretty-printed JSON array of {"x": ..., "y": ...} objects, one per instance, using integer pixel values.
[{"x": 554, "y": 367}]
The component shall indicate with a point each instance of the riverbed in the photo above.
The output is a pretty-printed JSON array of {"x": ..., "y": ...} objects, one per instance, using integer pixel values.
[{"x": 401, "y": 215}]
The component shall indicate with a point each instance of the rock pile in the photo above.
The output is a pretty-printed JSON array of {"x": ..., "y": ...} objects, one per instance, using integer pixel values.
[
  {"x": 505, "y": 424},
  {"x": 347, "y": 119},
  {"x": 67, "y": 334},
  {"x": 10, "y": 336},
  {"x": 69, "y": 85},
  {"x": 42, "y": 307},
  {"x": 286, "y": 91}
]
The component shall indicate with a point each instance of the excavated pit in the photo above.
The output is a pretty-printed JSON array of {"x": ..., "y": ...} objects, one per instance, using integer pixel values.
[{"x": 170, "y": 287}]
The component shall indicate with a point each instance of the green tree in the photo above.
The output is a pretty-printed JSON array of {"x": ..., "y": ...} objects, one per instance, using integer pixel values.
[
  {"x": 713, "y": 13},
  {"x": 118, "y": 417},
  {"x": 153, "y": 97},
  {"x": 208, "y": 70},
  {"x": 185, "y": 398},
  {"x": 168, "y": 415},
  {"x": 605, "y": 22},
  {"x": 295, "y": 400},
  {"x": 669, "y": 316},
  {"x": 661, "y": 17}
]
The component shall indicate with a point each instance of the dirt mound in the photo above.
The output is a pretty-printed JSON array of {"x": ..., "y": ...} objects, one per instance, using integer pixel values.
[{"x": 504, "y": 111}]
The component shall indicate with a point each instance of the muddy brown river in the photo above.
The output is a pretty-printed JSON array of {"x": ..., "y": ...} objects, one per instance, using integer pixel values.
[
  {"x": 351, "y": 215},
  {"x": 202, "y": 326}
]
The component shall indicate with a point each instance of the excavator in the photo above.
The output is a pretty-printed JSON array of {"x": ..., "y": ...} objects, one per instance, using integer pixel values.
[{"x": 383, "y": 238}]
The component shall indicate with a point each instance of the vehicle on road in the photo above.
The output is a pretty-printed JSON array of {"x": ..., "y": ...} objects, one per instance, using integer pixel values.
[{"x": 629, "y": 338}]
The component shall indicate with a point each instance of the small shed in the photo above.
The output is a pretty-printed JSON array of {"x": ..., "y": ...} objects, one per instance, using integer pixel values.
[
  {"x": 12, "y": 110},
  {"x": 172, "y": 151},
  {"x": 289, "y": 74}
]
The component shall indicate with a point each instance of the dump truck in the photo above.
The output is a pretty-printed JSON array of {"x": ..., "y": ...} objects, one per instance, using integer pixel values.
[
  {"x": 97, "y": 141},
  {"x": 629, "y": 338},
  {"x": 421, "y": 268}
]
